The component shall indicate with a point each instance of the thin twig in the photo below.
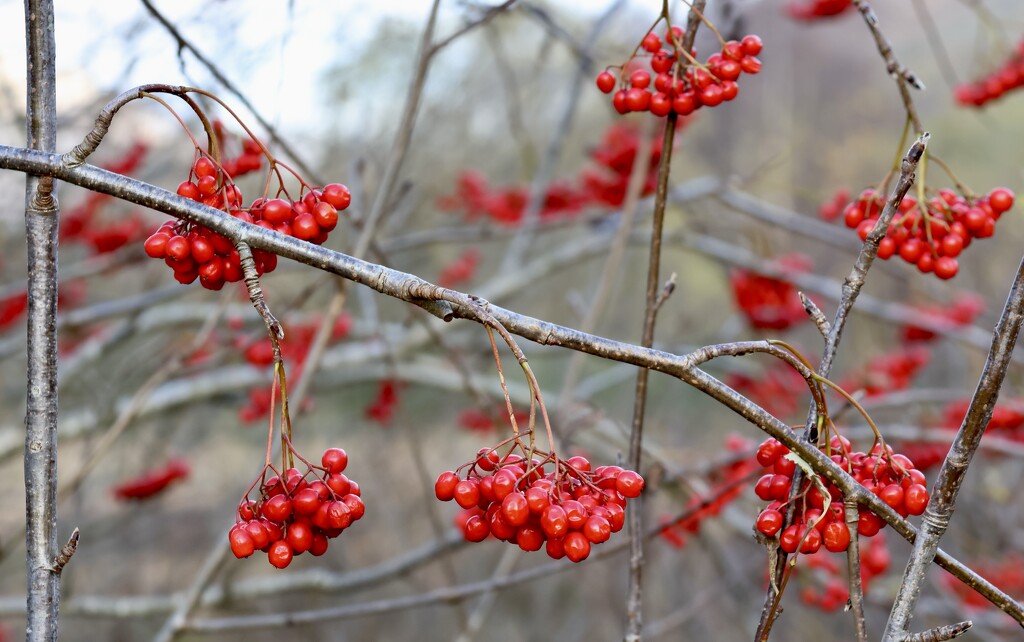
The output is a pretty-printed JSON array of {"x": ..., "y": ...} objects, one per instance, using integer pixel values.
[
  {"x": 852, "y": 517},
  {"x": 903, "y": 76}
]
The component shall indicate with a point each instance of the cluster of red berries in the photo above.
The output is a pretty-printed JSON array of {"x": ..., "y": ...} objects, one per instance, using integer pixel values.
[
  {"x": 730, "y": 481},
  {"x": 294, "y": 351},
  {"x": 963, "y": 310},
  {"x": 80, "y": 224},
  {"x": 817, "y": 9},
  {"x": 889, "y": 475},
  {"x": 680, "y": 84},
  {"x": 831, "y": 210},
  {"x": 604, "y": 184},
  {"x": 153, "y": 482},
  {"x": 1007, "y": 573},
  {"x": 874, "y": 561},
  {"x": 888, "y": 372},
  {"x": 1007, "y": 421},
  {"x": 293, "y": 515},
  {"x": 931, "y": 234},
  {"x": 769, "y": 303},
  {"x": 566, "y": 510},
  {"x": 777, "y": 389},
  {"x": 384, "y": 405},
  {"x": 193, "y": 251},
  {"x": 461, "y": 270},
  {"x": 249, "y": 158},
  {"x": 1008, "y": 77},
  {"x": 479, "y": 420}
]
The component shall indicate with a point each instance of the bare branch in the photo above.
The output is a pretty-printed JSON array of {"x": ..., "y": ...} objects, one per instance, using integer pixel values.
[{"x": 951, "y": 475}]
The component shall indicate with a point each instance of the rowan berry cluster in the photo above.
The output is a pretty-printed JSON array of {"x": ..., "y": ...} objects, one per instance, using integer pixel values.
[
  {"x": 567, "y": 510},
  {"x": 817, "y": 9},
  {"x": 888, "y": 372},
  {"x": 932, "y": 233},
  {"x": 193, "y": 251},
  {"x": 875, "y": 560},
  {"x": 298, "y": 513},
  {"x": 729, "y": 482},
  {"x": 1008, "y": 77},
  {"x": 681, "y": 84},
  {"x": 769, "y": 303},
  {"x": 1007, "y": 573},
  {"x": 294, "y": 351},
  {"x": 961, "y": 311},
  {"x": 81, "y": 223},
  {"x": 889, "y": 475},
  {"x": 152, "y": 482}
]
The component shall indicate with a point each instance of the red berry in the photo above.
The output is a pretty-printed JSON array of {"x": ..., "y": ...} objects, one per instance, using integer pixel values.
[
  {"x": 156, "y": 245},
  {"x": 305, "y": 227},
  {"x": 769, "y": 522},
  {"x": 1001, "y": 199},
  {"x": 946, "y": 267},
  {"x": 836, "y": 537},
  {"x": 651, "y": 43},
  {"x": 606, "y": 82},
  {"x": 553, "y": 522},
  {"x": 241, "y": 542},
  {"x": 280, "y": 554},
  {"x": 337, "y": 195},
  {"x": 597, "y": 529},
  {"x": 188, "y": 189},
  {"x": 577, "y": 547},
  {"x": 334, "y": 460},
  {"x": 476, "y": 529},
  {"x": 515, "y": 509},
  {"x": 752, "y": 45},
  {"x": 629, "y": 484},
  {"x": 276, "y": 211},
  {"x": 444, "y": 487},
  {"x": 204, "y": 168},
  {"x": 915, "y": 499}
]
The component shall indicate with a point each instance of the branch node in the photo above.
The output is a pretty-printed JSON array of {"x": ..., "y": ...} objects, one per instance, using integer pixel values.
[
  {"x": 813, "y": 311},
  {"x": 939, "y": 633},
  {"x": 65, "y": 554}
]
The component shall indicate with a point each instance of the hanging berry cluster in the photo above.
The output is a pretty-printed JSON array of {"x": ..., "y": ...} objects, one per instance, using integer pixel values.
[
  {"x": 875, "y": 560},
  {"x": 889, "y": 475},
  {"x": 1008, "y": 77},
  {"x": 567, "y": 509},
  {"x": 152, "y": 482},
  {"x": 681, "y": 84},
  {"x": 297, "y": 512},
  {"x": 193, "y": 251},
  {"x": 817, "y": 9},
  {"x": 770, "y": 303},
  {"x": 932, "y": 233},
  {"x": 961, "y": 311}
]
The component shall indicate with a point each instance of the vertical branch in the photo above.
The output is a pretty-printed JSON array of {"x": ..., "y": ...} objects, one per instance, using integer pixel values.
[
  {"x": 41, "y": 218},
  {"x": 634, "y": 600},
  {"x": 852, "y": 516},
  {"x": 954, "y": 468}
]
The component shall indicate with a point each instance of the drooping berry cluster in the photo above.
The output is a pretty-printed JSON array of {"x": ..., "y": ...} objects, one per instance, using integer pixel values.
[
  {"x": 770, "y": 303},
  {"x": 294, "y": 351},
  {"x": 778, "y": 389},
  {"x": 1008, "y": 77},
  {"x": 567, "y": 510},
  {"x": 301, "y": 513},
  {"x": 1007, "y": 573},
  {"x": 729, "y": 482},
  {"x": 961, "y": 311},
  {"x": 384, "y": 405},
  {"x": 81, "y": 223},
  {"x": 152, "y": 482},
  {"x": 461, "y": 270},
  {"x": 888, "y": 372},
  {"x": 250, "y": 154},
  {"x": 930, "y": 234},
  {"x": 680, "y": 83},
  {"x": 809, "y": 10},
  {"x": 875, "y": 560},
  {"x": 831, "y": 210},
  {"x": 889, "y": 475},
  {"x": 479, "y": 420},
  {"x": 193, "y": 251}
]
